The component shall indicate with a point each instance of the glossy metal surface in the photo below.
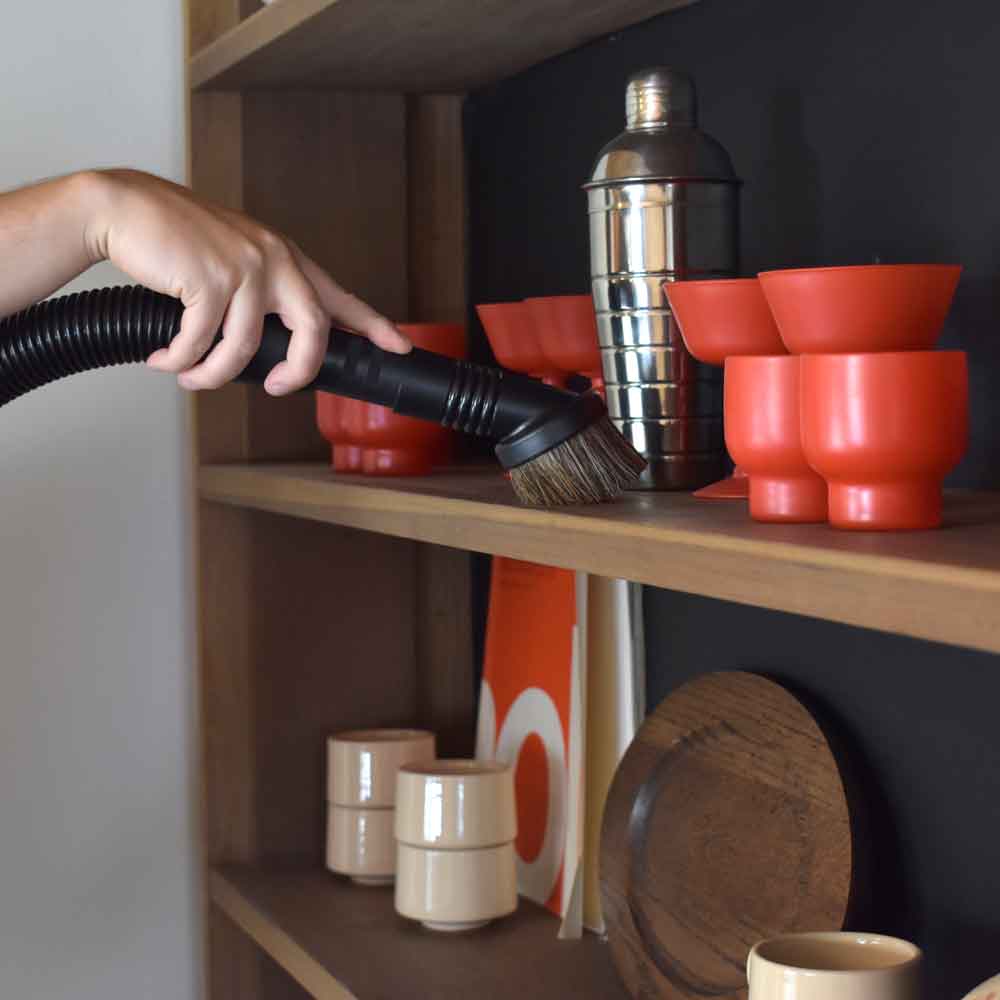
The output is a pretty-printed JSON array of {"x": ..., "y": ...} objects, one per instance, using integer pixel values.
[
  {"x": 638, "y": 328},
  {"x": 640, "y": 401},
  {"x": 667, "y": 437},
  {"x": 663, "y": 204},
  {"x": 682, "y": 471},
  {"x": 654, "y": 364}
]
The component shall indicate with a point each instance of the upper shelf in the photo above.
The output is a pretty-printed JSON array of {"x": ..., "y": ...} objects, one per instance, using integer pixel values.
[
  {"x": 420, "y": 46},
  {"x": 940, "y": 585}
]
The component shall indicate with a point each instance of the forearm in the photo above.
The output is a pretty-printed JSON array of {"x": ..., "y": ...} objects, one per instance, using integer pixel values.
[{"x": 46, "y": 238}]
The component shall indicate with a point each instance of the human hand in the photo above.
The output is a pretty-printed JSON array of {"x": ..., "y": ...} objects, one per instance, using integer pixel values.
[{"x": 228, "y": 271}]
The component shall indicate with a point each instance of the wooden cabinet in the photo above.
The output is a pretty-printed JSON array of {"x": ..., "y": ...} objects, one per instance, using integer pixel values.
[{"x": 326, "y": 603}]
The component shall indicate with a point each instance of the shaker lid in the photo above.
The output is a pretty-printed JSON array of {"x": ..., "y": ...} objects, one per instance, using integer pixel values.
[{"x": 661, "y": 140}]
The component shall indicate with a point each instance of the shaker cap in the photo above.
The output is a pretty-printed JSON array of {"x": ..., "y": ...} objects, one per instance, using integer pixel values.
[
  {"x": 661, "y": 140},
  {"x": 660, "y": 96}
]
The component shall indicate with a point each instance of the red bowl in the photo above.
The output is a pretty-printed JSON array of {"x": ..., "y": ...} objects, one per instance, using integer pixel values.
[
  {"x": 723, "y": 317},
  {"x": 394, "y": 445},
  {"x": 884, "y": 430},
  {"x": 510, "y": 329},
  {"x": 566, "y": 328},
  {"x": 763, "y": 436},
  {"x": 875, "y": 307}
]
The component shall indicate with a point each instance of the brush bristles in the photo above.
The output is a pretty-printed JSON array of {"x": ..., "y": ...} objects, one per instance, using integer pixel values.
[{"x": 591, "y": 467}]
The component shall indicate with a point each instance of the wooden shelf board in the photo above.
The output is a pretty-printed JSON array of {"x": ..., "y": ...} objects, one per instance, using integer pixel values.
[
  {"x": 422, "y": 46},
  {"x": 940, "y": 585},
  {"x": 339, "y": 940}
]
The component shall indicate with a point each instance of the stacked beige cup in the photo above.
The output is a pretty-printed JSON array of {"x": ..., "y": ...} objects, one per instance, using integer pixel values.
[
  {"x": 456, "y": 821},
  {"x": 361, "y": 798}
]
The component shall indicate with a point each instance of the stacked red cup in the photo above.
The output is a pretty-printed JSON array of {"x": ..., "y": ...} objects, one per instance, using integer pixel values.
[
  {"x": 372, "y": 439},
  {"x": 860, "y": 422},
  {"x": 884, "y": 417}
]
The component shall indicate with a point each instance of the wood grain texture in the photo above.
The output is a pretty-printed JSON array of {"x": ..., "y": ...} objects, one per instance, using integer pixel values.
[
  {"x": 437, "y": 210},
  {"x": 414, "y": 46},
  {"x": 445, "y": 674},
  {"x": 939, "y": 585},
  {"x": 726, "y": 823},
  {"x": 291, "y": 646},
  {"x": 222, "y": 557},
  {"x": 339, "y": 940},
  {"x": 329, "y": 170},
  {"x": 331, "y": 623}
]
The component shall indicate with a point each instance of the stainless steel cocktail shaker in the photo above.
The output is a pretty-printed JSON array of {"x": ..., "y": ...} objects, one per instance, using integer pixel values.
[{"x": 663, "y": 205}]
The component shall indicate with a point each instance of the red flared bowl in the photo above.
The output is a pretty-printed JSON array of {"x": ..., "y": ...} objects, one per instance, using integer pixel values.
[
  {"x": 876, "y": 307},
  {"x": 566, "y": 328},
  {"x": 884, "y": 430},
  {"x": 762, "y": 426},
  {"x": 510, "y": 329},
  {"x": 723, "y": 317}
]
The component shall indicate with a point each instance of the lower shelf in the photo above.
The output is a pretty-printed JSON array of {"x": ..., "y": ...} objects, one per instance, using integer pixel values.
[{"x": 339, "y": 940}]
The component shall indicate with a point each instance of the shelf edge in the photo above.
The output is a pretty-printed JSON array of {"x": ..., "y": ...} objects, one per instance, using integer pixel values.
[
  {"x": 311, "y": 975},
  {"x": 884, "y": 593}
]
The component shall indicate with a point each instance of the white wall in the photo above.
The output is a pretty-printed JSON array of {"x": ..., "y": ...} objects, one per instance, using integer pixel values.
[{"x": 97, "y": 897}]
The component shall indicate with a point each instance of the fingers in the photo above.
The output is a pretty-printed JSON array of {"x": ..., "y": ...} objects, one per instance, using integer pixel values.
[
  {"x": 241, "y": 332},
  {"x": 301, "y": 311},
  {"x": 349, "y": 310},
  {"x": 199, "y": 324}
]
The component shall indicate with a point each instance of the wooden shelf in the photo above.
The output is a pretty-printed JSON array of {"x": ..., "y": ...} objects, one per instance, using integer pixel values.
[
  {"x": 940, "y": 585},
  {"x": 339, "y": 940},
  {"x": 423, "y": 46}
]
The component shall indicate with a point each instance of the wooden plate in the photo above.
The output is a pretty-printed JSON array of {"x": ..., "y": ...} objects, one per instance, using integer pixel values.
[{"x": 727, "y": 822}]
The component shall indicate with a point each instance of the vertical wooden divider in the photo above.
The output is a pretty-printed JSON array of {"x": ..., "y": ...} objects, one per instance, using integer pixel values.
[
  {"x": 304, "y": 628},
  {"x": 437, "y": 270}
]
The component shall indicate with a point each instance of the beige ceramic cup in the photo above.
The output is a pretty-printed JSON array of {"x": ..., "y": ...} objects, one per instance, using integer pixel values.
[
  {"x": 362, "y": 764},
  {"x": 834, "y": 966},
  {"x": 359, "y": 843},
  {"x": 449, "y": 890},
  {"x": 455, "y": 804}
]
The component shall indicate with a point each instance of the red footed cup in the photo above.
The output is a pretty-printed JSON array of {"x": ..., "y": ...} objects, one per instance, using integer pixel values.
[
  {"x": 724, "y": 317},
  {"x": 762, "y": 427},
  {"x": 884, "y": 430},
  {"x": 510, "y": 329},
  {"x": 394, "y": 445},
  {"x": 872, "y": 307},
  {"x": 566, "y": 327},
  {"x": 332, "y": 419}
]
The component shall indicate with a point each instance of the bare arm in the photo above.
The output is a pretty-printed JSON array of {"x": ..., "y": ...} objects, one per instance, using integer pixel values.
[{"x": 227, "y": 269}]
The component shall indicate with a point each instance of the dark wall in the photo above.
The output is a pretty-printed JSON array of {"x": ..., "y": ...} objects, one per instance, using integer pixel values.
[{"x": 861, "y": 130}]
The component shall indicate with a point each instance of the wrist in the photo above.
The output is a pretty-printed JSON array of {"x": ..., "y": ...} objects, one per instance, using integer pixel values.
[{"x": 93, "y": 198}]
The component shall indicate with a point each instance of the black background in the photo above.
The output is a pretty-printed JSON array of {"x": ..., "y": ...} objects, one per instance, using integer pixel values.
[{"x": 861, "y": 130}]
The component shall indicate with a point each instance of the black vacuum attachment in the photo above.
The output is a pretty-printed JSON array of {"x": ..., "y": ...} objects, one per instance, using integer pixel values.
[{"x": 559, "y": 446}]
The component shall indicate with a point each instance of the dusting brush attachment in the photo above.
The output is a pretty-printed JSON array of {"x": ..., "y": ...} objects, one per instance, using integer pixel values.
[{"x": 569, "y": 455}]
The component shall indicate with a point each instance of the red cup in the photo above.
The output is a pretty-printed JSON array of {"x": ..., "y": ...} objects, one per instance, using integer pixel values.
[
  {"x": 332, "y": 418},
  {"x": 884, "y": 430},
  {"x": 763, "y": 436},
  {"x": 348, "y": 457},
  {"x": 724, "y": 317},
  {"x": 566, "y": 328},
  {"x": 874, "y": 307},
  {"x": 510, "y": 329},
  {"x": 394, "y": 445}
]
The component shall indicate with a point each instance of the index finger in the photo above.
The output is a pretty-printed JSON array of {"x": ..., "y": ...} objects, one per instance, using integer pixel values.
[{"x": 349, "y": 309}]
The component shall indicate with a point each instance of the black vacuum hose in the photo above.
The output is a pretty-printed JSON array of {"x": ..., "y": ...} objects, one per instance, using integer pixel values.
[{"x": 115, "y": 326}]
